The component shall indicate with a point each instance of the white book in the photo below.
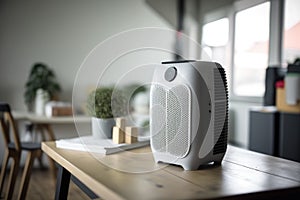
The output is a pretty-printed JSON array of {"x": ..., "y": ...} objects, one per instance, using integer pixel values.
[{"x": 96, "y": 145}]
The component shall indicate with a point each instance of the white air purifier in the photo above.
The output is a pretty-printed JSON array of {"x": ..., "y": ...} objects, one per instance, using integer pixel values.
[{"x": 189, "y": 113}]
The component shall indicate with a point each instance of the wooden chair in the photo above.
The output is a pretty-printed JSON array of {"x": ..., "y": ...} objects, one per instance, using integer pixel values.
[{"x": 13, "y": 149}]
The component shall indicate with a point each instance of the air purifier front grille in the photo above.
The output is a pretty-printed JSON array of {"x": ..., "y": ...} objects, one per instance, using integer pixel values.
[
  {"x": 178, "y": 120},
  {"x": 171, "y": 119},
  {"x": 158, "y": 112}
]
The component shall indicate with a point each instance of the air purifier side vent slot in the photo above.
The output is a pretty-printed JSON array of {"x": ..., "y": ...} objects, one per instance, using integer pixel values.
[
  {"x": 221, "y": 107},
  {"x": 219, "y": 86},
  {"x": 221, "y": 144}
]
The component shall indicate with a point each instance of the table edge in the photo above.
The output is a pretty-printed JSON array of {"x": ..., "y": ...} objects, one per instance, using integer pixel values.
[{"x": 85, "y": 179}]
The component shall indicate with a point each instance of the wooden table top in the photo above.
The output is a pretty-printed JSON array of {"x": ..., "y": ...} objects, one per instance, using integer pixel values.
[{"x": 243, "y": 174}]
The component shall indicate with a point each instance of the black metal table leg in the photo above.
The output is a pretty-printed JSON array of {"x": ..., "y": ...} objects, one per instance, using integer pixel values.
[
  {"x": 84, "y": 188},
  {"x": 62, "y": 184}
]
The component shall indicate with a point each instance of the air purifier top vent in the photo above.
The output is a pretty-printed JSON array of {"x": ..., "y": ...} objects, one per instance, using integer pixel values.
[{"x": 178, "y": 61}]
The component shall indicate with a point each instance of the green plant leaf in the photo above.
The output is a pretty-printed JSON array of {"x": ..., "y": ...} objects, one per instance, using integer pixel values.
[
  {"x": 40, "y": 76},
  {"x": 106, "y": 102}
]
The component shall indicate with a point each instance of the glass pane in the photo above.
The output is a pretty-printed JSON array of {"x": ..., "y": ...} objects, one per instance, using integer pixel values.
[
  {"x": 216, "y": 33},
  {"x": 251, "y": 50},
  {"x": 291, "y": 41},
  {"x": 215, "y": 43}
]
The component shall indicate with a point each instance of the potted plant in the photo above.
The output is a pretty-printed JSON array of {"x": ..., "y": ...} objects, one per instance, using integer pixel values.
[
  {"x": 132, "y": 91},
  {"x": 41, "y": 81},
  {"x": 105, "y": 104}
]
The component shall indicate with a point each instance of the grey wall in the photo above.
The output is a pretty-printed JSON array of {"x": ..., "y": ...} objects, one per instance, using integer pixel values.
[
  {"x": 167, "y": 9},
  {"x": 60, "y": 34},
  {"x": 211, "y": 5}
]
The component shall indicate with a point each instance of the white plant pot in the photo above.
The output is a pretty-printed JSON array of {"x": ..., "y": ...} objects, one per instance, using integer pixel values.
[
  {"x": 41, "y": 98},
  {"x": 102, "y": 128}
]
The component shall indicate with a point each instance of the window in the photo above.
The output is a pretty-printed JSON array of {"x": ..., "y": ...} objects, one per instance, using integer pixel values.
[
  {"x": 215, "y": 39},
  {"x": 291, "y": 34},
  {"x": 215, "y": 36},
  {"x": 239, "y": 36},
  {"x": 216, "y": 33},
  {"x": 251, "y": 44}
]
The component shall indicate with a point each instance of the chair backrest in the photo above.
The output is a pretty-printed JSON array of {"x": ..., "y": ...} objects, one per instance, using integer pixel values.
[{"x": 8, "y": 126}]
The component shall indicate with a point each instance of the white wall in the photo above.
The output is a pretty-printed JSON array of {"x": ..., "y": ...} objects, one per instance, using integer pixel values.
[{"x": 239, "y": 122}]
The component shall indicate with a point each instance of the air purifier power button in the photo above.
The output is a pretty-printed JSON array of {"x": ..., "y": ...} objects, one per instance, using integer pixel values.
[{"x": 170, "y": 74}]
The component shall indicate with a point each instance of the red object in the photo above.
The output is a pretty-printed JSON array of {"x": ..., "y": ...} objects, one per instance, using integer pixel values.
[{"x": 280, "y": 84}]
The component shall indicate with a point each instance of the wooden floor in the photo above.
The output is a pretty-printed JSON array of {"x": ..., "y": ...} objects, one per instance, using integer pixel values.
[{"x": 42, "y": 186}]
